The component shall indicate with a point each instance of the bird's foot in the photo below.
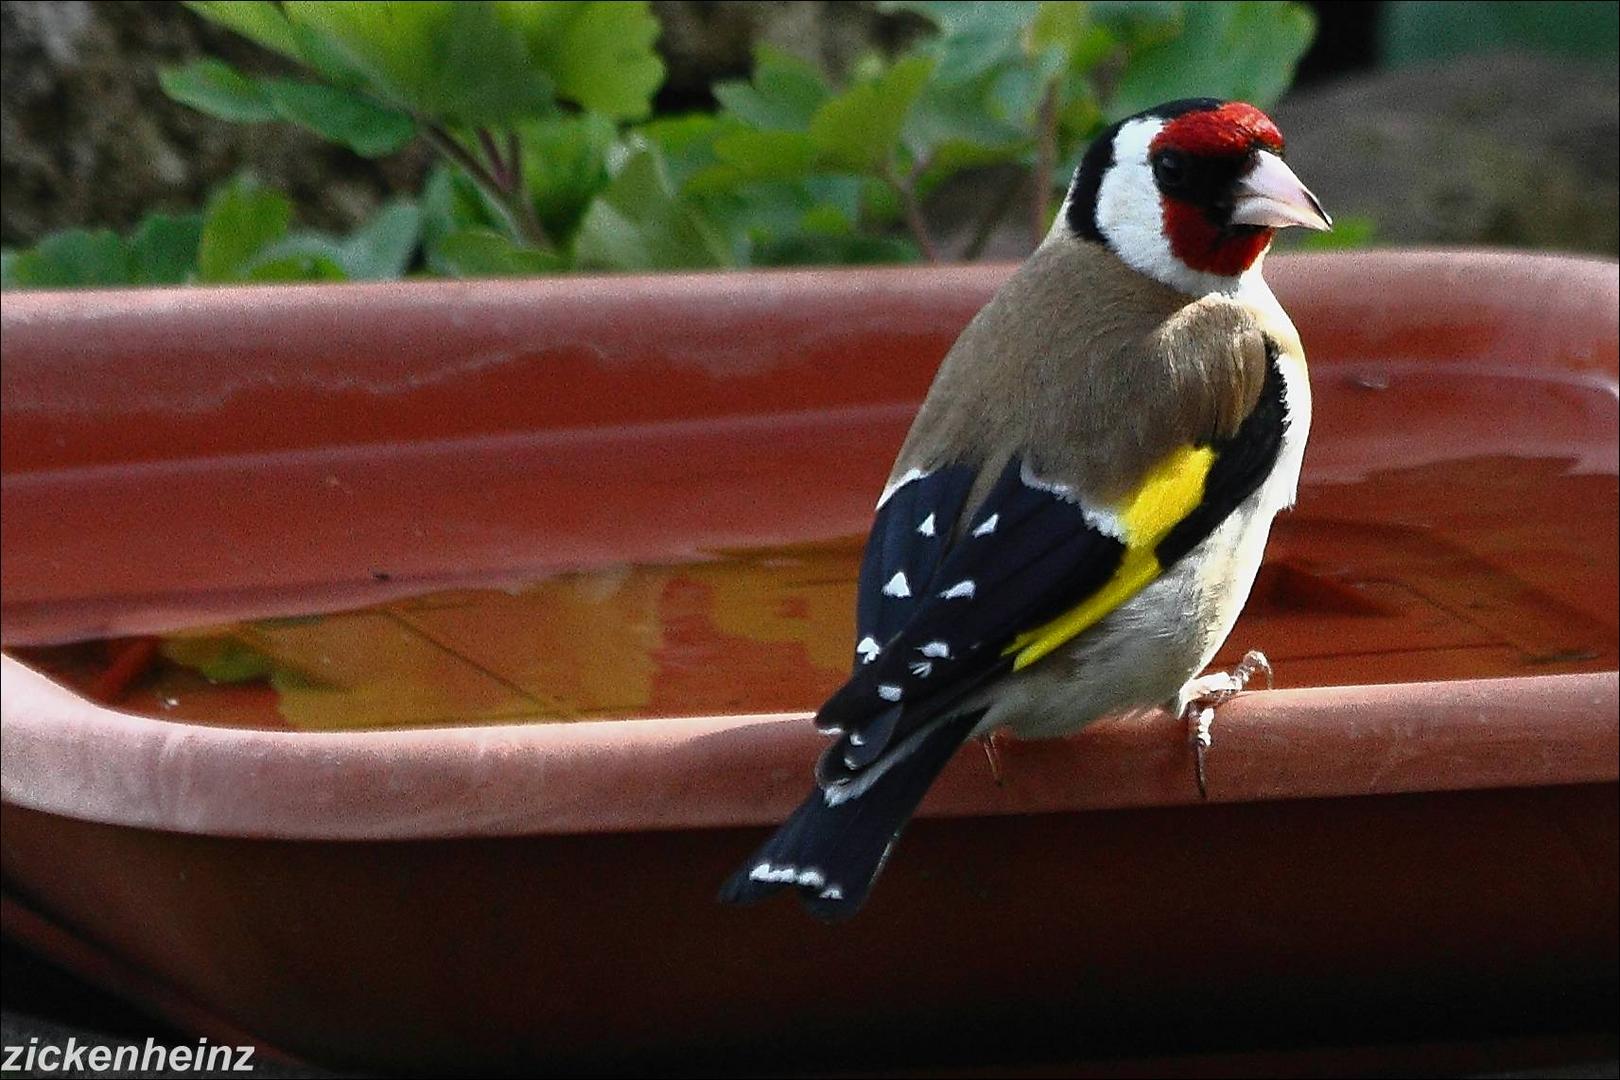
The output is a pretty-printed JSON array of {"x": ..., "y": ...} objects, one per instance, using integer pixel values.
[
  {"x": 1203, "y": 695},
  {"x": 990, "y": 741}
]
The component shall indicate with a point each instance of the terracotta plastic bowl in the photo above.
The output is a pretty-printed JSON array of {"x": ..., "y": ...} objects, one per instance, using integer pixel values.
[{"x": 582, "y": 552}]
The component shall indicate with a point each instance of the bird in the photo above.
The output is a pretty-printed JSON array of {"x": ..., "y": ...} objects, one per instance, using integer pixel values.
[{"x": 1078, "y": 512}]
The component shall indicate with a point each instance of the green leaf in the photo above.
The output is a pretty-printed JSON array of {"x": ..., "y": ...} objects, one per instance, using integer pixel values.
[
  {"x": 450, "y": 203},
  {"x": 464, "y": 63},
  {"x": 638, "y": 224},
  {"x": 331, "y": 59},
  {"x": 481, "y": 252},
  {"x": 959, "y": 116},
  {"x": 686, "y": 142},
  {"x": 369, "y": 129},
  {"x": 1242, "y": 51},
  {"x": 784, "y": 94},
  {"x": 565, "y": 166},
  {"x": 1140, "y": 23},
  {"x": 858, "y": 131},
  {"x": 1057, "y": 26},
  {"x": 217, "y": 89},
  {"x": 973, "y": 37},
  {"x": 257, "y": 20},
  {"x": 267, "y": 24},
  {"x": 763, "y": 213},
  {"x": 880, "y": 203},
  {"x": 381, "y": 249},
  {"x": 1079, "y": 116},
  {"x": 746, "y": 156},
  {"x": 1095, "y": 45},
  {"x": 294, "y": 267},
  {"x": 242, "y": 219},
  {"x": 72, "y": 258},
  {"x": 163, "y": 250},
  {"x": 598, "y": 53}
]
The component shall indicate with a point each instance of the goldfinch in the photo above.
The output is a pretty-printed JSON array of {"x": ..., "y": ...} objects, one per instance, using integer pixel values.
[{"x": 1076, "y": 517}]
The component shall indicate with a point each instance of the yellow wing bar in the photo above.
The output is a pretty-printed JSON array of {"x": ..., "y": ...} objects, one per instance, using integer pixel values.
[{"x": 1167, "y": 494}]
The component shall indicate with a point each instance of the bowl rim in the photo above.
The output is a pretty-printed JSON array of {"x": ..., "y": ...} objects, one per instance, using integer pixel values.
[{"x": 65, "y": 755}]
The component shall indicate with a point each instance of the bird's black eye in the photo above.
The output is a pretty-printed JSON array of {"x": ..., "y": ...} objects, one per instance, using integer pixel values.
[{"x": 1169, "y": 170}]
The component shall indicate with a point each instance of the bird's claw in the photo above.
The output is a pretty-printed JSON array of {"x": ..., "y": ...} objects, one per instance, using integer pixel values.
[
  {"x": 992, "y": 754},
  {"x": 1204, "y": 694},
  {"x": 1254, "y": 662}
]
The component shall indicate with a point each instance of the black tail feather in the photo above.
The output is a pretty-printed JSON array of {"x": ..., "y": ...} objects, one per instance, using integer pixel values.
[{"x": 830, "y": 855}]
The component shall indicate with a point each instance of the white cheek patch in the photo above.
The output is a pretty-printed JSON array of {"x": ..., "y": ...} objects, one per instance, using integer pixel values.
[
  {"x": 1129, "y": 212},
  {"x": 1130, "y": 215}
]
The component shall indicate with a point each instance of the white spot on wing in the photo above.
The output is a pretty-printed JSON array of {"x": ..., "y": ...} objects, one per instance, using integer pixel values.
[
  {"x": 927, "y": 526},
  {"x": 962, "y": 590},
  {"x": 898, "y": 586},
  {"x": 939, "y": 650},
  {"x": 868, "y": 649},
  {"x": 905, "y": 478},
  {"x": 988, "y": 525},
  {"x": 921, "y": 668},
  {"x": 857, "y": 739},
  {"x": 788, "y": 874},
  {"x": 889, "y": 692}
]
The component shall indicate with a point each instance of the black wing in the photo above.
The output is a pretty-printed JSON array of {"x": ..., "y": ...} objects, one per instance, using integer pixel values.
[{"x": 932, "y": 622}]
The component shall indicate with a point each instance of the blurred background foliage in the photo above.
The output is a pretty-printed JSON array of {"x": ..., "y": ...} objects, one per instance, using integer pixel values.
[
  {"x": 556, "y": 136},
  {"x": 1414, "y": 32}
]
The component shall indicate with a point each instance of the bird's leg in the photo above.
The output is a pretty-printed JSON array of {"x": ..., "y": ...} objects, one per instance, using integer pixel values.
[
  {"x": 992, "y": 754},
  {"x": 1200, "y": 698}
]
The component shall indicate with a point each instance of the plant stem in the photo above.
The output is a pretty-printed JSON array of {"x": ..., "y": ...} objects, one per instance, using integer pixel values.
[
  {"x": 520, "y": 188},
  {"x": 505, "y": 190},
  {"x": 514, "y": 155},
  {"x": 445, "y": 144},
  {"x": 906, "y": 188},
  {"x": 1045, "y": 162},
  {"x": 492, "y": 153}
]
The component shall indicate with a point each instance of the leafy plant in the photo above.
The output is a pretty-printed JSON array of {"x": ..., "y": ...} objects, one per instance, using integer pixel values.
[
  {"x": 244, "y": 235},
  {"x": 551, "y": 161}
]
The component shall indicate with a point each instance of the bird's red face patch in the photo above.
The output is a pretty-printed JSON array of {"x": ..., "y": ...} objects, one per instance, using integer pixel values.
[{"x": 1231, "y": 133}]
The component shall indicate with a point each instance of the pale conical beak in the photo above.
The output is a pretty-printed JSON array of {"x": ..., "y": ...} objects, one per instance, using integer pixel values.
[{"x": 1271, "y": 195}]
